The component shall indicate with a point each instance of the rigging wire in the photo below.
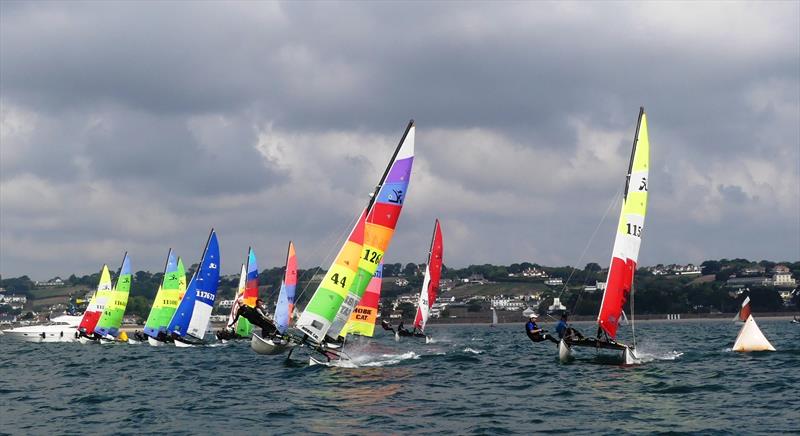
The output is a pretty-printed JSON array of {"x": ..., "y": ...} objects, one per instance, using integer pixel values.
[{"x": 612, "y": 202}]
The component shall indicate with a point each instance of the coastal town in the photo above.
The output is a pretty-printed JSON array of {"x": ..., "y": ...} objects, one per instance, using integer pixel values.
[{"x": 469, "y": 295}]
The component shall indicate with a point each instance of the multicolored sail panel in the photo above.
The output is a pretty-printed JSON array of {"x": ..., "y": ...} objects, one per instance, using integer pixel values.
[
  {"x": 381, "y": 221},
  {"x": 167, "y": 297},
  {"x": 243, "y": 327},
  {"x": 111, "y": 320},
  {"x": 318, "y": 315},
  {"x": 239, "y": 295},
  {"x": 97, "y": 304},
  {"x": 362, "y": 320},
  {"x": 194, "y": 311},
  {"x": 629, "y": 233},
  {"x": 430, "y": 286},
  {"x": 285, "y": 306}
]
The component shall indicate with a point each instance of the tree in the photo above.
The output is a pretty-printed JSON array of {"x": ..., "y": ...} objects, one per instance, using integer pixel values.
[
  {"x": 410, "y": 270},
  {"x": 592, "y": 267}
]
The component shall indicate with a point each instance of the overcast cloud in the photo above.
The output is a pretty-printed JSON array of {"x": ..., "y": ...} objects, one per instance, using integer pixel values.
[{"x": 139, "y": 126}]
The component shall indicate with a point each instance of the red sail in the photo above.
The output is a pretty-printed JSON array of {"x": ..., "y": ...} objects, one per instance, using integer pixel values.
[
  {"x": 618, "y": 288},
  {"x": 431, "y": 284}
]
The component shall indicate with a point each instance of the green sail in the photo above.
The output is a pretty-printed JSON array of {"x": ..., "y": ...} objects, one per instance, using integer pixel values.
[
  {"x": 167, "y": 298},
  {"x": 111, "y": 319}
]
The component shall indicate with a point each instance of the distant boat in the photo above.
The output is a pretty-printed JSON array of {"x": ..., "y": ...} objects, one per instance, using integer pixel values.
[
  {"x": 188, "y": 324},
  {"x": 347, "y": 279},
  {"x": 625, "y": 253},
  {"x": 108, "y": 326},
  {"x": 430, "y": 285},
  {"x": 750, "y": 337},
  {"x": 283, "y": 310},
  {"x": 168, "y": 296},
  {"x": 494, "y": 318},
  {"x": 95, "y": 308}
]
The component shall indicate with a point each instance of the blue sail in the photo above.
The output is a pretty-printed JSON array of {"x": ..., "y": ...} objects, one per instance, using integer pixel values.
[{"x": 191, "y": 317}]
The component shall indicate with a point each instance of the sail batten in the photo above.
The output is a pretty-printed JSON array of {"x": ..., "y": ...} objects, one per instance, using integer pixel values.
[{"x": 627, "y": 242}]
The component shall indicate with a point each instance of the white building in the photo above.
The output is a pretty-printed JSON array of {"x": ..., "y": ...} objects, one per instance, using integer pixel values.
[
  {"x": 782, "y": 277},
  {"x": 554, "y": 281},
  {"x": 556, "y": 306}
]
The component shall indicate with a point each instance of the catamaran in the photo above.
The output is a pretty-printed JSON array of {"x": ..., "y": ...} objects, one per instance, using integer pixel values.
[
  {"x": 625, "y": 254},
  {"x": 430, "y": 286},
  {"x": 324, "y": 318},
  {"x": 247, "y": 294},
  {"x": 95, "y": 308},
  {"x": 169, "y": 295},
  {"x": 108, "y": 326},
  {"x": 750, "y": 337},
  {"x": 188, "y": 324},
  {"x": 284, "y": 309}
]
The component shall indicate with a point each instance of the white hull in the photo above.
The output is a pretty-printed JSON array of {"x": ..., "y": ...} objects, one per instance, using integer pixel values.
[
  {"x": 155, "y": 342},
  {"x": 564, "y": 352},
  {"x": 268, "y": 346},
  {"x": 339, "y": 363},
  {"x": 180, "y": 344},
  {"x": 66, "y": 335}
]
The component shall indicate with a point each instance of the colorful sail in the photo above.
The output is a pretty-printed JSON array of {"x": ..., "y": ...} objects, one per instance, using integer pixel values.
[
  {"x": 625, "y": 254},
  {"x": 194, "y": 311},
  {"x": 362, "y": 320},
  {"x": 250, "y": 294},
  {"x": 167, "y": 297},
  {"x": 111, "y": 319},
  {"x": 430, "y": 285},
  {"x": 383, "y": 212},
  {"x": 318, "y": 315},
  {"x": 285, "y": 306},
  {"x": 97, "y": 304},
  {"x": 182, "y": 284}
]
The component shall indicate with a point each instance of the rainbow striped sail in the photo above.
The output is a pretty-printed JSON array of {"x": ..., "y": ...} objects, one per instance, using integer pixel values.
[
  {"x": 362, "y": 320},
  {"x": 430, "y": 286},
  {"x": 285, "y": 306},
  {"x": 194, "y": 311},
  {"x": 111, "y": 319},
  {"x": 318, "y": 315},
  {"x": 383, "y": 212},
  {"x": 167, "y": 297},
  {"x": 97, "y": 304},
  {"x": 248, "y": 286},
  {"x": 625, "y": 254}
]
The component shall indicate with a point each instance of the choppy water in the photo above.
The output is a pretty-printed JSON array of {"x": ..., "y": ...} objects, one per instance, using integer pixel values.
[{"x": 470, "y": 380}]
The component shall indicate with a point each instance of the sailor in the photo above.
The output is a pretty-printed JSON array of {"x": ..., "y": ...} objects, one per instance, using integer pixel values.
[
  {"x": 257, "y": 316},
  {"x": 401, "y": 329},
  {"x": 386, "y": 326},
  {"x": 535, "y": 333},
  {"x": 565, "y": 331}
]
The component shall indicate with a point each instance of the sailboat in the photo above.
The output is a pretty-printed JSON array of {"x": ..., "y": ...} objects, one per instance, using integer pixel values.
[
  {"x": 108, "y": 326},
  {"x": 95, "y": 308},
  {"x": 346, "y": 281},
  {"x": 247, "y": 294},
  {"x": 169, "y": 294},
  {"x": 430, "y": 286},
  {"x": 283, "y": 310},
  {"x": 625, "y": 253},
  {"x": 188, "y": 324},
  {"x": 750, "y": 337},
  {"x": 494, "y": 318}
]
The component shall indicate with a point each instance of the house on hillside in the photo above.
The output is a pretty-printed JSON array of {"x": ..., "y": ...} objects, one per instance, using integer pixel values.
[
  {"x": 782, "y": 277},
  {"x": 554, "y": 281}
]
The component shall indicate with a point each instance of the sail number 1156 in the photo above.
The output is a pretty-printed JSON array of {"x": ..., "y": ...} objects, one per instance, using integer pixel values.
[{"x": 634, "y": 230}]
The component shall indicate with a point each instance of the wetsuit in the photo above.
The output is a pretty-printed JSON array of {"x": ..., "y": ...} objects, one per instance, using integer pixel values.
[
  {"x": 539, "y": 336},
  {"x": 257, "y": 317}
]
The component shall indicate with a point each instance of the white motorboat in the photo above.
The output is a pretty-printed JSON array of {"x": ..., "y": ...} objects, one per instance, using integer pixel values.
[{"x": 59, "y": 329}]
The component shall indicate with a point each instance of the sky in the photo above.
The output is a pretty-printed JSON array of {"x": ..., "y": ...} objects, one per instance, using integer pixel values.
[{"x": 129, "y": 126}]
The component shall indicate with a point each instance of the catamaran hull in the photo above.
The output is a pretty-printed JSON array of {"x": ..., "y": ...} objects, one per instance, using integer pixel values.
[
  {"x": 268, "y": 346},
  {"x": 155, "y": 342},
  {"x": 339, "y": 363},
  {"x": 564, "y": 352}
]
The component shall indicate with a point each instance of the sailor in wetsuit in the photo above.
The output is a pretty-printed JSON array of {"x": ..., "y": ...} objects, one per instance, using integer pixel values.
[
  {"x": 402, "y": 330},
  {"x": 257, "y": 316},
  {"x": 565, "y": 331},
  {"x": 535, "y": 333}
]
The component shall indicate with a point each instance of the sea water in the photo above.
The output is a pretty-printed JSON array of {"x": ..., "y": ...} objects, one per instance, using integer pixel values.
[{"x": 471, "y": 379}]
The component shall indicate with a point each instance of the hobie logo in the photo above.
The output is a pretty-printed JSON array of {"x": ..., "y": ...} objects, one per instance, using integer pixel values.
[
  {"x": 212, "y": 265},
  {"x": 205, "y": 295}
]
